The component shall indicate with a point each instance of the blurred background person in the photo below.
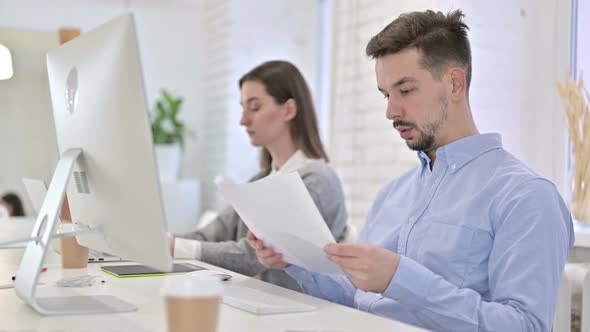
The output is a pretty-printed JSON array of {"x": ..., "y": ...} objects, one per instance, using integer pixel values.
[{"x": 13, "y": 205}]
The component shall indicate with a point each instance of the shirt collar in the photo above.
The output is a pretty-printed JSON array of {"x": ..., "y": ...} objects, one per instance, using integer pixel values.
[
  {"x": 459, "y": 153},
  {"x": 296, "y": 161},
  {"x": 424, "y": 159}
]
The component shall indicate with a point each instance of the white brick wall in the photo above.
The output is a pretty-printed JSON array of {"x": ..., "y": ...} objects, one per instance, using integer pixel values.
[
  {"x": 516, "y": 62},
  {"x": 215, "y": 87}
]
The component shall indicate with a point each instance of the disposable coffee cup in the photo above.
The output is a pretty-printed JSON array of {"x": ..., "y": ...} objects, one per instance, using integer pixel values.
[
  {"x": 192, "y": 303},
  {"x": 73, "y": 255}
]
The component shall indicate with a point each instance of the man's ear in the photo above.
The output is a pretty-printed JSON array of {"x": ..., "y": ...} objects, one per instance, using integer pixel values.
[
  {"x": 458, "y": 83},
  {"x": 291, "y": 107}
]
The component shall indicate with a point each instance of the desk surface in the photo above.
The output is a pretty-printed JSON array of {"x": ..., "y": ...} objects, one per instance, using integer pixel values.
[{"x": 144, "y": 292}]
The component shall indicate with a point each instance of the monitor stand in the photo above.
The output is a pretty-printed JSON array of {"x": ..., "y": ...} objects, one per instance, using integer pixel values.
[{"x": 36, "y": 251}]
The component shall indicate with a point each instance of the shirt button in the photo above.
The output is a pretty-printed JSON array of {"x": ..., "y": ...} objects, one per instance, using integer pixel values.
[
  {"x": 412, "y": 219},
  {"x": 453, "y": 166}
]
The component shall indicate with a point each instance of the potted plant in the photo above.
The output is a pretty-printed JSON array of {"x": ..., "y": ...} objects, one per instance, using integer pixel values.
[{"x": 168, "y": 133}]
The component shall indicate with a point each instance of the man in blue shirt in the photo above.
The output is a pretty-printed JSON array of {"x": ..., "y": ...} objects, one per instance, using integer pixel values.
[{"x": 470, "y": 240}]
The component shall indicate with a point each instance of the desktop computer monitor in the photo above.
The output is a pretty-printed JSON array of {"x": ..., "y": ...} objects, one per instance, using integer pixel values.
[
  {"x": 106, "y": 153},
  {"x": 99, "y": 106}
]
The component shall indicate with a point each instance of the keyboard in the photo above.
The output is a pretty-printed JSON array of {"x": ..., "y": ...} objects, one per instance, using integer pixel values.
[{"x": 261, "y": 303}]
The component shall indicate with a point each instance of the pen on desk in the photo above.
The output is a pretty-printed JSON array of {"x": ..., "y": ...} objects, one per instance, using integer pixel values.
[{"x": 42, "y": 270}]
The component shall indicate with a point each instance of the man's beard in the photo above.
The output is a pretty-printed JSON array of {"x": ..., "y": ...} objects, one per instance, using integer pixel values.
[
  {"x": 427, "y": 139},
  {"x": 425, "y": 142}
]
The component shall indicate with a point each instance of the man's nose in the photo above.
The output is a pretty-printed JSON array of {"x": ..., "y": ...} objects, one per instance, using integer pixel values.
[{"x": 394, "y": 109}]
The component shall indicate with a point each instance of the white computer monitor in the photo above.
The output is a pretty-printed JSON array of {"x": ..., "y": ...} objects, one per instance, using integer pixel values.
[{"x": 106, "y": 153}]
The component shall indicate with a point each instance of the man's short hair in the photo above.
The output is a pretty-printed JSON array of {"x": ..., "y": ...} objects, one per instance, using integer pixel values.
[{"x": 441, "y": 39}]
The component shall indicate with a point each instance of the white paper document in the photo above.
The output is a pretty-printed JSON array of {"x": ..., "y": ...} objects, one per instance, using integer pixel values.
[{"x": 279, "y": 210}]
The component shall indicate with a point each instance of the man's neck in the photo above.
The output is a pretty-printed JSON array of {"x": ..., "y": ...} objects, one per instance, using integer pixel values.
[
  {"x": 465, "y": 127},
  {"x": 461, "y": 133}
]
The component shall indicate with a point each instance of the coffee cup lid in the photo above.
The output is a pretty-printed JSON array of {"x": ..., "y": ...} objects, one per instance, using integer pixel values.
[{"x": 192, "y": 286}]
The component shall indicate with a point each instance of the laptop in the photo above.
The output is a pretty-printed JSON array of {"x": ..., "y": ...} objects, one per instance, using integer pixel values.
[{"x": 37, "y": 190}]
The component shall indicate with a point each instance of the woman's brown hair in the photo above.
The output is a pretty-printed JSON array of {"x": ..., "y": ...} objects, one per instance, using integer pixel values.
[{"x": 283, "y": 81}]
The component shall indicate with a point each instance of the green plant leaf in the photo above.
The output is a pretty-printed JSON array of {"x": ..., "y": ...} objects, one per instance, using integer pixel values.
[{"x": 166, "y": 127}]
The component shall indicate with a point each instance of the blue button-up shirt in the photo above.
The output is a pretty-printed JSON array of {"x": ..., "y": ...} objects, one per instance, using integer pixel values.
[{"x": 483, "y": 240}]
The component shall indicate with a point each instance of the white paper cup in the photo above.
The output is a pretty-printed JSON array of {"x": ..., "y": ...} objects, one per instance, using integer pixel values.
[{"x": 192, "y": 303}]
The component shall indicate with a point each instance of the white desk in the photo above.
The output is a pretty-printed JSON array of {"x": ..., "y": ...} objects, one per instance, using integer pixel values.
[{"x": 144, "y": 292}]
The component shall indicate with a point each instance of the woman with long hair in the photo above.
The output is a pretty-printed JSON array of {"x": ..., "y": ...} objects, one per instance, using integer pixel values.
[{"x": 279, "y": 116}]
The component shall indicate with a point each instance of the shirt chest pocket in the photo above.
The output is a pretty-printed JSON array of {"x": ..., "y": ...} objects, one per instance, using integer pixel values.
[{"x": 452, "y": 251}]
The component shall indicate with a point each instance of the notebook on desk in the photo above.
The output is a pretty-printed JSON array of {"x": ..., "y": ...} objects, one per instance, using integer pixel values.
[{"x": 131, "y": 271}]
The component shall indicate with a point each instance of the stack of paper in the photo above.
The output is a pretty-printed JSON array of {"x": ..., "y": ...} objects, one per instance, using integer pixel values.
[{"x": 279, "y": 210}]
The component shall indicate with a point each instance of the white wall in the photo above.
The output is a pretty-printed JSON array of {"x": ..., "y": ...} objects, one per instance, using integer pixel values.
[
  {"x": 27, "y": 137},
  {"x": 520, "y": 49},
  {"x": 516, "y": 64},
  {"x": 210, "y": 158},
  {"x": 170, "y": 43},
  {"x": 583, "y": 47}
]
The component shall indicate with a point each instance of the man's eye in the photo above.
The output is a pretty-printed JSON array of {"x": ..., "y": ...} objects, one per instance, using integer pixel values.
[
  {"x": 405, "y": 92},
  {"x": 386, "y": 97}
]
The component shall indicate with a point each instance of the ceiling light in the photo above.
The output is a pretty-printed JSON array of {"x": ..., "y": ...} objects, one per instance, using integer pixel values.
[{"x": 5, "y": 63}]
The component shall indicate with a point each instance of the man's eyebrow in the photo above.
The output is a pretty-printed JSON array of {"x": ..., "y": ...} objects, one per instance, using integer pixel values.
[{"x": 403, "y": 80}]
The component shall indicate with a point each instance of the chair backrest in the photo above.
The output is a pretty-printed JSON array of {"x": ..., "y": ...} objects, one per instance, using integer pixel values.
[
  {"x": 562, "y": 321},
  {"x": 206, "y": 218},
  {"x": 4, "y": 215},
  {"x": 181, "y": 200}
]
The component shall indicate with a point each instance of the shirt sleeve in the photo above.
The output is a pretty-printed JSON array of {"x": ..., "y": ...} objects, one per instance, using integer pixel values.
[
  {"x": 533, "y": 232},
  {"x": 222, "y": 228},
  {"x": 236, "y": 255},
  {"x": 187, "y": 248},
  {"x": 333, "y": 288}
]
